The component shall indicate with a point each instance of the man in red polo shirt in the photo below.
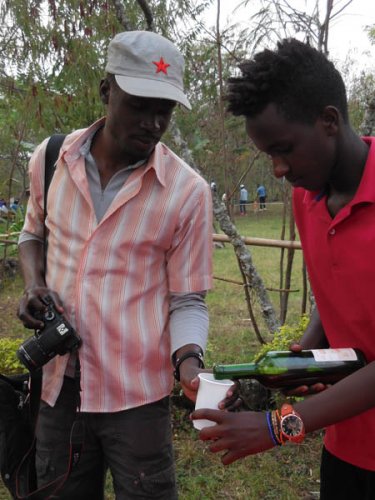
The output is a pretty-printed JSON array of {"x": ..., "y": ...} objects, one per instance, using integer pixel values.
[{"x": 295, "y": 106}]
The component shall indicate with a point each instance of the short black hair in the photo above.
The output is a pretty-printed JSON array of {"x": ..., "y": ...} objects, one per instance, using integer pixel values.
[{"x": 297, "y": 78}]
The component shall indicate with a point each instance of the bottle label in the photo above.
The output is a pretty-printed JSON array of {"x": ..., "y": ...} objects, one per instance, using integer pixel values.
[{"x": 345, "y": 354}]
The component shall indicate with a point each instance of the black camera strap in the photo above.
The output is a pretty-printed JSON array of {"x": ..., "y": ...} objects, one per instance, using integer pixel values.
[
  {"x": 26, "y": 474},
  {"x": 52, "y": 153}
]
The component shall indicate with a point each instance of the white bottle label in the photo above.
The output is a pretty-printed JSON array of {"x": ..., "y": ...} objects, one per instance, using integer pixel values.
[{"x": 345, "y": 354}]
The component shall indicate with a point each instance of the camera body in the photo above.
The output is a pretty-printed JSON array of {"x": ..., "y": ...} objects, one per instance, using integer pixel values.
[{"x": 56, "y": 337}]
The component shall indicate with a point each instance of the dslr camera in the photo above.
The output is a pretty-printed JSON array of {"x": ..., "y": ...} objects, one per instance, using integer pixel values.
[{"x": 56, "y": 337}]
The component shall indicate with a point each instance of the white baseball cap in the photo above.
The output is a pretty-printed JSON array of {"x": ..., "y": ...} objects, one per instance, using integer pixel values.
[{"x": 146, "y": 64}]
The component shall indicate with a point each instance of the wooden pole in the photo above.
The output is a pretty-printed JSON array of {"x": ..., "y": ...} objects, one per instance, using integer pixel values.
[
  {"x": 8, "y": 242},
  {"x": 223, "y": 238},
  {"x": 260, "y": 242}
]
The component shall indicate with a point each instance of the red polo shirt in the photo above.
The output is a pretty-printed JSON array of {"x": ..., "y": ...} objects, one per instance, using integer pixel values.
[{"x": 340, "y": 258}]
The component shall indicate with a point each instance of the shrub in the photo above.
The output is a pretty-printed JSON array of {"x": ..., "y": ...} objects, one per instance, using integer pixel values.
[
  {"x": 284, "y": 337},
  {"x": 9, "y": 363}
]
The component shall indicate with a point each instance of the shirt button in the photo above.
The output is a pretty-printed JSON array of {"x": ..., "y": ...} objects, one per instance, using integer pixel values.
[{"x": 332, "y": 232}]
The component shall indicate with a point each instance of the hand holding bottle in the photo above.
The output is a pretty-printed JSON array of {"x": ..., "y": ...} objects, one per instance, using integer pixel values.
[{"x": 304, "y": 390}]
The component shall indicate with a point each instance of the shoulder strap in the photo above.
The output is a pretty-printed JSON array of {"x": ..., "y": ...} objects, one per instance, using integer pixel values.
[{"x": 52, "y": 152}]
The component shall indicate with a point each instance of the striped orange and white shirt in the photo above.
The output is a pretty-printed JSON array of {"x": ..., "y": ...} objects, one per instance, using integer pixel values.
[{"x": 115, "y": 277}]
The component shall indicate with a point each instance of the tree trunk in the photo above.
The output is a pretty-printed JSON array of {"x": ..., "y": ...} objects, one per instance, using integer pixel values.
[
  {"x": 368, "y": 125},
  {"x": 244, "y": 256}
]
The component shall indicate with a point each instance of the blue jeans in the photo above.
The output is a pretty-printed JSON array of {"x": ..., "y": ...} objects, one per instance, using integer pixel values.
[{"x": 135, "y": 444}]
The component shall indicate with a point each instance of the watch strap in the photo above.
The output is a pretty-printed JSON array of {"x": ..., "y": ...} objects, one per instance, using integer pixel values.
[
  {"x": 191, "y": 354},
  {"x": 285, "y": 411}
]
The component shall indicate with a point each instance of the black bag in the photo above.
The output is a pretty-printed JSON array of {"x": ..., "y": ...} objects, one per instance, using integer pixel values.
[
  {"x": 16, "y": 433},
  {"x": 17, "y": 421},
  {"x": 18, "y": 416}
]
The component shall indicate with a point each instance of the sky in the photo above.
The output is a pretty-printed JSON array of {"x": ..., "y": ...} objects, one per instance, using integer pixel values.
[{"x": 347, "y": 31}]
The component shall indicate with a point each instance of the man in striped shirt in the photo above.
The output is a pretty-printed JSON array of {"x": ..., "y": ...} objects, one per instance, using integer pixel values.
[{"x": 128, "y": 263}]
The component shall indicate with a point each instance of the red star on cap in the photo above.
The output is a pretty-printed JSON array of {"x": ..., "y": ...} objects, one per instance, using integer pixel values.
[{"x": 161, "y": 66}]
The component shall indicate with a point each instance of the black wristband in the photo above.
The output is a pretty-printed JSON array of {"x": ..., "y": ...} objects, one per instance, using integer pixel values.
[{"x": 190, "y": 354}]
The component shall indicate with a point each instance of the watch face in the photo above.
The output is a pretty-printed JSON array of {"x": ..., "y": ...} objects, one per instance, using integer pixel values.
[{"x": 291, "y": 425}]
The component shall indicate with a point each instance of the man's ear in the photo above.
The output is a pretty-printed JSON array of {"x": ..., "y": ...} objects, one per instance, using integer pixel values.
[
  {"x": 104, "y": 90},
  {"x": 331, "y": 118}
]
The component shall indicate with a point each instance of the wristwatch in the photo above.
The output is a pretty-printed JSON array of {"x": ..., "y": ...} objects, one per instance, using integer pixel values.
[{"x": 291, "y": 424}]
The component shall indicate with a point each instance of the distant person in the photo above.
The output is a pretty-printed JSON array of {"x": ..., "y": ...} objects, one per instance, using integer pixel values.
[
  {"x": 244, "y": 196},
  {"x": 296, "y": 111},
  {"x": 15, "y": 205},
  {"x": 261, "y": 193},
  {"x": 3, "y": 207},
  {"x": 213, "y": 186}
]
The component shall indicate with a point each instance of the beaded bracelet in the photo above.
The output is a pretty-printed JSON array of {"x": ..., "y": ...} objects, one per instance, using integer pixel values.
[
  {"x": 271, "y": 430},
  {"x": 275, "y": 418}
]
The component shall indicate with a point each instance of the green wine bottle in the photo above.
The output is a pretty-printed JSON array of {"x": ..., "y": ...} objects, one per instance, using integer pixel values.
[{"x": 286, "y": 369}]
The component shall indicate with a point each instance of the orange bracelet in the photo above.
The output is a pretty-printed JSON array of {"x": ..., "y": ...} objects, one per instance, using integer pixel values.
[{"x": 275, "y": 418}]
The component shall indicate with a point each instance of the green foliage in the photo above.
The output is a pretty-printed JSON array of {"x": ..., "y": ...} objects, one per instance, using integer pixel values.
[
  {"x": 284, "y": 337},
  {"x": 9, "y": 363},
  {"x": 13, "y": 226},
  {"x": 17, "y": 223}
]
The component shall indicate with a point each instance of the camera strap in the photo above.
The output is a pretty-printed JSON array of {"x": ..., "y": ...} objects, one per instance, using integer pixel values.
[
  {"x": 26, "y": 469},
  {"x": 52, "y": 153}
]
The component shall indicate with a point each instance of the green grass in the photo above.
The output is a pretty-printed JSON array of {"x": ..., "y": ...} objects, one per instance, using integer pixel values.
[
  {"x": 287, "y": 473},
  {"x": 229, "y": 318}
]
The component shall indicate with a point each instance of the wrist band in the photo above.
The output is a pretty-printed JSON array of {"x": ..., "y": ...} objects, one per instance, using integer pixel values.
[
  {"x": 275, "y": 419},
  {"x": 190, "y": 354},
  {"x": 271, "y": 430}
]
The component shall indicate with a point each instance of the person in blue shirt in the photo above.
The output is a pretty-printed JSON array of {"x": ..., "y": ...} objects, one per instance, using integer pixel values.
[
  {"x": 261, "y": 193},
  {"x": 15, "y": 205}
]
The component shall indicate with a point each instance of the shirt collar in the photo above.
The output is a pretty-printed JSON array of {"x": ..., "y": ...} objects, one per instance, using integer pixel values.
[
  {"x": 81, "y": 142},
  {"x": 157, "y": 162}
]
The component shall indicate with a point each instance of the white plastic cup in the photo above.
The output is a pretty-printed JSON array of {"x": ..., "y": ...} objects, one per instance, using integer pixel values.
[{"x": 210, "y": 393}]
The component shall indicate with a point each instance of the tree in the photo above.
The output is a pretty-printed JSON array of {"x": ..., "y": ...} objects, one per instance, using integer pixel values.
[{"x": 52, "y": 59}]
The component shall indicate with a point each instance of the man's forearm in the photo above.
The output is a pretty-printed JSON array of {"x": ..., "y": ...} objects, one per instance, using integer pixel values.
[
  {"x": 347, "y": 398},
  {"x": 31, "y": 258}
]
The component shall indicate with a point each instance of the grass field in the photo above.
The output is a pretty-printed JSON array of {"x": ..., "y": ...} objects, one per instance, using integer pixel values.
[{"x": 287, "y": 473}]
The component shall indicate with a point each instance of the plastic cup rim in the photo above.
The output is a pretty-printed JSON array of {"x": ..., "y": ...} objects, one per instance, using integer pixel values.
[{"x": 213, "y": 380}]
